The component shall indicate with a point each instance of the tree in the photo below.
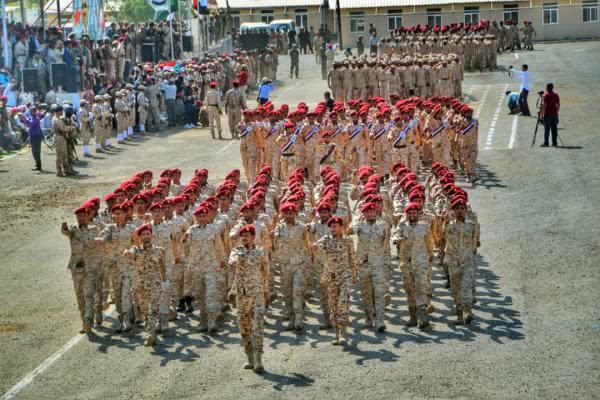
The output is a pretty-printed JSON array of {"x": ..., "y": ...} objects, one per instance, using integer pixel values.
[{"x": 131, "y": 10}]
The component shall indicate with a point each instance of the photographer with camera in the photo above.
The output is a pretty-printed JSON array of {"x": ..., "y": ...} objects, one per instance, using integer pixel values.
[
  {"x": 525, "y": 87},
  {"x": 549, "y": 114}
]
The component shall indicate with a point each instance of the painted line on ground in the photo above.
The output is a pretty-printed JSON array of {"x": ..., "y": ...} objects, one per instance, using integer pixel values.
[
  {"x": 492, "y": 129},
  {"x": 517, "y": 56},
  {"x": 44, "y": 365},
  {"x": 482, "y": 102},
  {"x": 513, "y": 132},
  {"x": 226, "y": 147}
]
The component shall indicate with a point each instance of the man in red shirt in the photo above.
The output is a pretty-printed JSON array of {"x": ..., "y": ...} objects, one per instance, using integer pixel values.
[
  {"x": 242, "y": 78},
  {"x": 550, "y": 107}
]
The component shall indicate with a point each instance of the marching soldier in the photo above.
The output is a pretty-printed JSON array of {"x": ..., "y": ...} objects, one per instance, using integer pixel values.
[
  {"x": 235, "y": 103},
  {"x": 213, "y": 101}
]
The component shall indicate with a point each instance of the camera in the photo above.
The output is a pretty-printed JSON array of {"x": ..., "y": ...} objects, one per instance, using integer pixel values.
[{"x": 541, "y": 93}]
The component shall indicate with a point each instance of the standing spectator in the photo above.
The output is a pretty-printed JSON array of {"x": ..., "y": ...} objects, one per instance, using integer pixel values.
[
  {"x": 311, "y": 39},
  {"x": 264, "y": 90},
  {"x": 35, "y": 136},
  {"x": 373, "y": 41},
  {"x": 360, "y": 46},
  {"x": 12, "y": 93},
  {"x": 525, "y": 86},
  {"x": 318, "y": 43},
  {"x": 242, "y": 78},
  {"x": 170, "y": 90},
  {"x": 303, "y": 40},
  {"x": 291, "y": 35},
  {"x": 550, "y": 108}
]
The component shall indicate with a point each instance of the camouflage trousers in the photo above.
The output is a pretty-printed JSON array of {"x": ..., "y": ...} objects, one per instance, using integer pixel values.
[
  {"x": 462, "y": 282},
  {"x": 147, "y": 300},
  {"x": 416, "y": 278},
  {"x": 62, "y": 155},
  {"x": 251, "y": 309},
  {"x": 203, "y": 284},
  {"x": 84, "y": 283},
  {"x": 166, "y": 295},
  {"x": 373, "y": 285},
  {"x": 178, "y": 279},
  {"x": 293, "y": 282},
  {"x": 322, "y": 287},
  {"x": 338, "y": 297}
]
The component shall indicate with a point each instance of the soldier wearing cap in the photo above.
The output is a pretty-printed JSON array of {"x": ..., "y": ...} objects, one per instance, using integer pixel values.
[
  {"x": 250, "y": 266},
  {"x": 121, "y": 116},
  {"x": 107, "y": 119},
  {"x": 213, "y": 101},
  {"x": 98, "y": 121},
  {"x": 82, "y": 263},
  {"x": 148, "y": 278},
  {"x": 290, "y": 252},
  {"x": 143, "y": 104},
  {"x": 85, "y": 127},
  {"x": 235, "y": 103},
  {"x": 413, "y": 237},
  {"x": 62, "y": 131},
  {"x": 339, "y": 259}
]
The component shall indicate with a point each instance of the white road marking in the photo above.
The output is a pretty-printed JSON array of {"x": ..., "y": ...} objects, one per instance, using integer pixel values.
[
  {"x": 492, "y": 129},
  {"x": 517, "y": 56},
  {"x": 226, "y": 147},
  {"x": 27, "y": 379},
  {"x": 482, "y": 102},
  {"x": 513, "y": 132}
]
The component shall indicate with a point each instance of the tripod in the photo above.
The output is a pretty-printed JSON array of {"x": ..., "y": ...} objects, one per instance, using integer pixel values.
[{"x": 540, "y": 121}]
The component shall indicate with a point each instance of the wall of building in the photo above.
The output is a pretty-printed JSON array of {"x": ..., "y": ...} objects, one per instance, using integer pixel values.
[
  {"x": 570, "y": 24},
  {"x": 255, "y": 15}
]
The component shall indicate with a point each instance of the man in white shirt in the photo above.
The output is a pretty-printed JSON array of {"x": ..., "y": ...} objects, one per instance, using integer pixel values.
[{"x": 525, "y": 87}]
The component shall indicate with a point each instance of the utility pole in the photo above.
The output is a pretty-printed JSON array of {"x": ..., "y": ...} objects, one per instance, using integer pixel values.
[
  {"x": 43, "y": 20},
  {"x": 339, "y": 24},
  {"x": 58, "y": 13},
  {"x": 23, "y": 16}
]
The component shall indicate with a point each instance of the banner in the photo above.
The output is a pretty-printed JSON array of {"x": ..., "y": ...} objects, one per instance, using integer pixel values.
[
  {"x": 94, "y": 19},
  {"x": 77, "y": 18}
]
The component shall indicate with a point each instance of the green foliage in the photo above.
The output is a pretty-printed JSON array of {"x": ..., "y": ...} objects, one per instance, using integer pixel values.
[{"x": 134, "y": 11}]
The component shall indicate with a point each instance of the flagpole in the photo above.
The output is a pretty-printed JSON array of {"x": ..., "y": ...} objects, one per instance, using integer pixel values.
[
  {"x": 180, "y": 26},
  {"x": 5, "y": 36},
  {"x": 171, "y": 28}
]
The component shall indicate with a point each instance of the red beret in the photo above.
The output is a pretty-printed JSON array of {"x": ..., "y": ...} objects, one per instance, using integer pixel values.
[
  {"x": 139, "y": 196},
  {"x": 247, "y": 206},
  {"x": 117, "y": 207},
  {"x": 247, "y": 229},
  {"x": 335, "y": 220},
  {"x": 285, "y": 207},
  {"x": 323, "y": 206},
  {"x": 290, "y": 124},
  {"x": 411, "y": 206},
  {"x": 165, "y": 173},
  {"x": 175, "y": 171},
  {"x": 202, "y": 172},
  {"x": 179, "y": 199},
  {"x": 82, "y": 209},
  {"x": 367, "y": 206},
  {"x": 119, "y": 190},
  {"x": 155, "y": 206},
  {"x": 109, "y": 197},
  {"x": 201, "y": 210},
  {"x": 94, "y": 200},
  {"x": 458, "y": 201},
  {"x": 142, "y": 228},
  {"x": 213, "y": 84}
]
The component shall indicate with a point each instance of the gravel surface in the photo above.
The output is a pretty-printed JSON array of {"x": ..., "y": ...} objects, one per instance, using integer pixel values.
[{"x": 537, "y": 327}]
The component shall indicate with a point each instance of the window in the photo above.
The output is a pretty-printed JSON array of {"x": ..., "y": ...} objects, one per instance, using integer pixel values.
[
  {"x": 394, "y": 19},
  {"x": 590, "y": 10},
  {"x": 550, "y": 14},
  {"x": 301, "y": 18},
  {"x": 472, "y": 15},
  {"x": 235, "y": 19},
  {"x": 511, "y": 13},
  {"x": 357, "y": 22},
  {"x": 434, "y": 16},
  {"x": 266, "y": 16}
]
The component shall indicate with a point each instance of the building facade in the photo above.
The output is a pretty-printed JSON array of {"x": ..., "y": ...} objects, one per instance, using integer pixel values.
[{"x": 552, "y": 19}]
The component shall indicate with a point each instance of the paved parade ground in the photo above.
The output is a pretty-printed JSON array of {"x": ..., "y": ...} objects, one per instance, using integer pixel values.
[{"x": 537, "y": 327}]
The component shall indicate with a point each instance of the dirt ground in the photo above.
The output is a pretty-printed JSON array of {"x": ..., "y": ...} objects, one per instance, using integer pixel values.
[{"x": 538, "y": 323}]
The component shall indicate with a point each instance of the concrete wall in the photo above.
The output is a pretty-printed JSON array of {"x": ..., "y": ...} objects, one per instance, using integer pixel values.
[{"x": 570, "y": 26}]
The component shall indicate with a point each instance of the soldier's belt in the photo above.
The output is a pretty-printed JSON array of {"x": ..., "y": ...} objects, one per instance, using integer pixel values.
[{"x": 288, "y": 154}]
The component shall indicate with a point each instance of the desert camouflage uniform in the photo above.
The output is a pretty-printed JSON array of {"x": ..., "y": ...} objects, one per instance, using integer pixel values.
[
  {"x": 339, "y": 267},
  {"x": 83, "y": 266},
  {"x": 249, "y": 266},
  {"x": 461, "y": 245},
  {"x": 290, "y": 251},
  {"x": 372, "y": 258},
  {"x": 148, "y": 262}
]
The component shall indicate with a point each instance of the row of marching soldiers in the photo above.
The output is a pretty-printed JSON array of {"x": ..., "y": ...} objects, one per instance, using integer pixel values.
[
  {"x": 161, "y": 247},
  {"x": 373, "y": 132}
]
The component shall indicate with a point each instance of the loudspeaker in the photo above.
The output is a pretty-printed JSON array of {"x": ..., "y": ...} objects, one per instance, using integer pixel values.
[
  {"x": 188, "y": 43},
  {"x": 72, "y": 80},
  {"x": 148, "y": 52},
  {"x": 58, "y": 71},
  {"x": 30, "y": 80}
]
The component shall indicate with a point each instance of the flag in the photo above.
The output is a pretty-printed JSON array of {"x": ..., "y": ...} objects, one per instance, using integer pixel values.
[
  {"x": 77, "y": 20},
  {"x": 159, "y": 5}
]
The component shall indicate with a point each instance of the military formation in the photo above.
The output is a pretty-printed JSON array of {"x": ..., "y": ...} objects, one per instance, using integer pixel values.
[
  {"x": 424, "y": 76},
  {"x": 386, "y": 174}
]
